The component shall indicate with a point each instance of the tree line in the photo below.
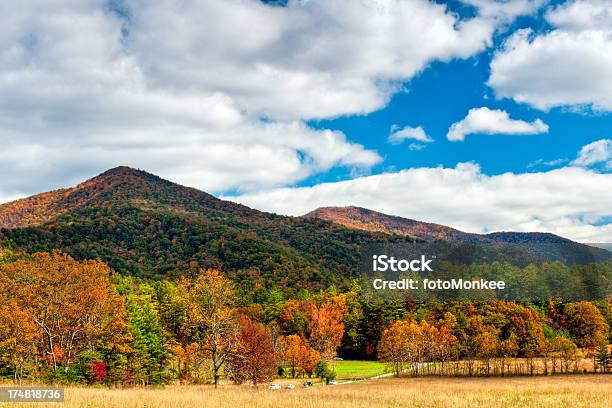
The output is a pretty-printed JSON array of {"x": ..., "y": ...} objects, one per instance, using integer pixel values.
[{"x": 63, "y": 320}]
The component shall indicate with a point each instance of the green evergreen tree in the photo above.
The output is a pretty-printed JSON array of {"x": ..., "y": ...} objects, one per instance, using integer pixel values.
[
  {"x": 149, "y": 351},
  {"x": 325, "y": 372}
]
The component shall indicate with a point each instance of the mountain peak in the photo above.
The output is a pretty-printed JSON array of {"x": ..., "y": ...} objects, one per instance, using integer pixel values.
[
  {"x": 116, "y": 187},
  {"x": 122, "y": 171},
  {"x": 125, "y": 173},
  {"x": 119, "y": 184}
]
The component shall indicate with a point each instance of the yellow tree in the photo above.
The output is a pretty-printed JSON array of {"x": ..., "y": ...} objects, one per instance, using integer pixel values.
[
  {"x": 586, "y": 324},
  {"x": 487, "y": 341},
  {"x": 210, "y": 299},
  {"x": 18, "y": 334},
  {"x": 507, "y": 349},
  {"x": 400, "y": 344},
  {"x": 443, "y": 346},
  {"x": 565, "y": 350}
]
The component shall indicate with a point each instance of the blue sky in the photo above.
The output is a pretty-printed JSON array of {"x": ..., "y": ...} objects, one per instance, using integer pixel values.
[
  {"x": 442, "y": 94},
  {"x": 499, "y": 112}
]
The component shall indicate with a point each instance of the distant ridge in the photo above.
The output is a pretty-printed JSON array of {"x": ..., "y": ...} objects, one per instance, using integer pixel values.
[{"x": 369, "y": 220}]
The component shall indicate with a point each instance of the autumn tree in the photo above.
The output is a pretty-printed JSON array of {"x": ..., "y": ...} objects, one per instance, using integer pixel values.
[
  {"x": 401, "y": 344},
  {"x": 444, "y": 347},
  {"x": 209, "y": 300},
  {"x": 293, "y": 352},
  {"x": 325, "y": 325},
  {"x": 191, "y": 362},
  {"x": 72, "y": 303},
  {"x": 586, "y": 324},
  {"x": 292, "y": 318},
  {"x": 254, "y": 358},
  {"x": 468, "y": 341},
  {"x": 487, "y": 341},
  {"x": 298, "y": 356},
  {"x": 17, "y": 337},
  {"x": 508, "y": 348},
  {"x": 565, "y": 349},
  {"x": 309, "y": 361}
]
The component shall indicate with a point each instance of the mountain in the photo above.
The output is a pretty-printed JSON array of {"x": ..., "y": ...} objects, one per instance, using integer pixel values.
[
  {"x": 549, "y": 246},
  {"x": 369, "y": 220},
  {"x": 121, "y": 185},
  {"x": 145, "y": 226}
]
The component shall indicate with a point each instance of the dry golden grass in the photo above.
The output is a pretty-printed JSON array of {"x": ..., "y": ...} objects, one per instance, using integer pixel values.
[{"x": 561, "y": 391}]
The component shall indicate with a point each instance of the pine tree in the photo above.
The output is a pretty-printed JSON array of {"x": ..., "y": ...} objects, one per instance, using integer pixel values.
[
  {"x": 603, "y": 358},
  {"x": 148, "y": 345}
]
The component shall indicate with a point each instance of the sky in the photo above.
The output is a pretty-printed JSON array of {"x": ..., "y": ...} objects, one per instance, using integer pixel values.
[{"x": 484, "y": 115}]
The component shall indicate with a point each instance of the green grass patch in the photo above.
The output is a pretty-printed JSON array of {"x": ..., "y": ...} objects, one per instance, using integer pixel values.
[{"x": 352, "y": 369}]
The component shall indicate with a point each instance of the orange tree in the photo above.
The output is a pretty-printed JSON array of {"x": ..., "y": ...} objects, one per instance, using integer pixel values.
[
  {"x": 72, "y": 304},
  {"x": 298, "y": 356},
  {"x": 325, "y": 325}
]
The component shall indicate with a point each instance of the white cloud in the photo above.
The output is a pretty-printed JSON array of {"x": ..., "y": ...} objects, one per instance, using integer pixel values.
[
  {"x": 599, "y": 151},
  {"x": 567, "y": 66},
  {"x": 569, "y": 201},
  {"x": 416, "y": 146},
  {"x": 181, "y": 89},
  {"x": 492, "y": 121},
  {"x": 311, "y": 59},
  {"x": 547, "y": 163},
  {"x": 582, "y": 15},
  {"x": 506, "y": 10},
  {"x": 398, "y": 135}
]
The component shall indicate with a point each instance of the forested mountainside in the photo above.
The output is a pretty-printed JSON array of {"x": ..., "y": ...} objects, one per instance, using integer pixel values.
[
  {"x": 145, "y": 226},
  {"x": 547, "y": 245},
  {"x": 368, "y": 220}
]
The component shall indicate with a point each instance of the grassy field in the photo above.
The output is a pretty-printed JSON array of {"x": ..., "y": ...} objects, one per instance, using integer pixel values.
[
  {"x": 590, "y": 391},
  {"x": 351, "y": 369}
]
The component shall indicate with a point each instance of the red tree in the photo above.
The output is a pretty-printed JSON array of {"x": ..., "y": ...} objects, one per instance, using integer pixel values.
[{"x": 254, "y": 358}]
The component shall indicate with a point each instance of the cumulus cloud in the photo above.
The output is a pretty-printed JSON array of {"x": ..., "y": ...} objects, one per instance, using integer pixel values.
[
  {"x": 492, "y": 121},
  {"x": 311, "y": 59},
  {"x": 567, "y": 66},
  {"x": 597, "y": 152},
  {"x": 399, "y": 135},
  {"x": 569, "y": 201},
  {"x": 186, "y": 92},
  {"x": 581, "y": 15}
]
